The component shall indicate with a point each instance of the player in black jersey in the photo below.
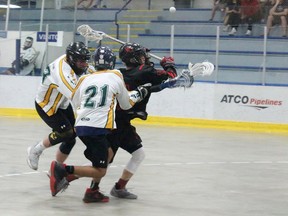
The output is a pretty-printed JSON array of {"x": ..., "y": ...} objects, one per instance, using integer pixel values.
[{"x": 139, "y": 71}]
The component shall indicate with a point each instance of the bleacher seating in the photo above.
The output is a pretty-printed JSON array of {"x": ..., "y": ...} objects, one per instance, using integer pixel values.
[{"x": 240, "y": 58}]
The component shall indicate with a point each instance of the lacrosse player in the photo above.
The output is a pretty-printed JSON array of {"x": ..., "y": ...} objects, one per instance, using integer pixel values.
[
  {"x": 95, "y": 98},
  {"x": 139, "y": 70},
  {"x": 52, "y": 102}
]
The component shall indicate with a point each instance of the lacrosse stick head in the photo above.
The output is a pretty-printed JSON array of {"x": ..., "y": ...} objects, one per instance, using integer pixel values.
[
  {"x": 90, "y": 34},
  {"x": 184, "y": 79},
  {"x": 201, "y": 69}
]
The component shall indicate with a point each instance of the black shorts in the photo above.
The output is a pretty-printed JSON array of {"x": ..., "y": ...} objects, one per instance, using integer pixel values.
[
  {"x": 61, "y": 121},
  {"x": 96, "y": 150},
  {"x": 125, "y": 137}
]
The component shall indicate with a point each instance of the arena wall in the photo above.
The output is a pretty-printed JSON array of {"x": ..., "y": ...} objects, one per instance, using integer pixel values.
[{"x": 203, "y": 105}]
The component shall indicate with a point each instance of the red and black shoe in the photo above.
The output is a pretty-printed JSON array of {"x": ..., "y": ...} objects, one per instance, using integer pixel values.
[
  {"x": 94, "y": 196},
  {"x": 58, "y": 182}
]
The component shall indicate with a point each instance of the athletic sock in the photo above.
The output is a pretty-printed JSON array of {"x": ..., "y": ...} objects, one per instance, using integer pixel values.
[
  {"x": 69, "y": 169},
  {"x": 94, "y": 185},
  {"x": 39, "y": 147},
  {"x": 121, "y": 184}
]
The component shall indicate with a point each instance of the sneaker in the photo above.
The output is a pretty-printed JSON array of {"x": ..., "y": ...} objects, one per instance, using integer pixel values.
[
  {"x": 249, "y": 32},
  {"x": 94, "y": 196},
  {"x": 33, "y": 157},
  {"x": 69, "y": 177},
  {"x": 233, "y": 31},
  {"x": 122, "y": 193},
  {"x": 226, "y": 28},
  {"x": 58, "y": 182}
]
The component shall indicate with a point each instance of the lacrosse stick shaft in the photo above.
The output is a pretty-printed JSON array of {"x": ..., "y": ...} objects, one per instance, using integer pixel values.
[
  {"x": 122, "y": 42},
  {"x": 90, "y": 34}
]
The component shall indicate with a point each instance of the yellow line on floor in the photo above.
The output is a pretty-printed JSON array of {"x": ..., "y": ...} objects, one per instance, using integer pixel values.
[{"x": 177, "y": 122}]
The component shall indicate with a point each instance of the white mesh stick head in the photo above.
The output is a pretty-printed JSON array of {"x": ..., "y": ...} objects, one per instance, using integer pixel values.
[
  {"x": 90, "y": 34},
  {"x": 201, "y": 69}
]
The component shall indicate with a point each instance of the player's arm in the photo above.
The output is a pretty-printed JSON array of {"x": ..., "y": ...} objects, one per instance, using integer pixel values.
[
  {"x": 128, "y": 99},
  {"x": 64, "y": 79},
  {"x": 75, "y": 96},
  {"x": 168, "y": 72},
  {"x": 168, "y": 64}
]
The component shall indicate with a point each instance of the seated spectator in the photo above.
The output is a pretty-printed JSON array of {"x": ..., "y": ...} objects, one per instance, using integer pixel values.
[
  {"x": 217, "y": 5},
  {"x": 233, "y": 13},
  {"x": 278, "y": 15},
  {"x": 266, "y": 5},
  {"x": 28, "y": 57},
  {"x": 250, "y": 13}
]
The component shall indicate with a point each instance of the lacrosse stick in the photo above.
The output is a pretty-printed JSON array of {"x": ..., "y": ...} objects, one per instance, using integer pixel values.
[
  {"x": 186, "y": 77},
  {"x": 94, "y": 35}
]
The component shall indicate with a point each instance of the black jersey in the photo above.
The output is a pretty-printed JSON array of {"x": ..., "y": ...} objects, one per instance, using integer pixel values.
[{"x": 139, "y": 76}]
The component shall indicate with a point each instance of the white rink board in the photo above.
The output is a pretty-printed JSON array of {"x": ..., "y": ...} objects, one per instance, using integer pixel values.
[
  {"x": 202, "y": 101},
  {"x": 251, "y": 103}
]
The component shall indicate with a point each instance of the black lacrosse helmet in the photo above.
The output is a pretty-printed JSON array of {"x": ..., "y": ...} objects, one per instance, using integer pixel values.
[
  {"x": 77, "y": 51},
  {"x": 104, "y": 58},
  {"x": 130, "y": 54}
]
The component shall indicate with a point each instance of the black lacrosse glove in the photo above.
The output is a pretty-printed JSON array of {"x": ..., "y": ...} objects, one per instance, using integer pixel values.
[
  {"x": 143, "y": 90},
  {"x": 167, "y": 62}
]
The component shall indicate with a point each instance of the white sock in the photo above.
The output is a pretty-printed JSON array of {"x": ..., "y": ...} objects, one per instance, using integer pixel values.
[{"x": 39, "y": 147}]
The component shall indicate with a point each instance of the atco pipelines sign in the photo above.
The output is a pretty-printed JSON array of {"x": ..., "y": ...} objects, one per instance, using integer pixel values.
[{"x": 259, "y": 103}]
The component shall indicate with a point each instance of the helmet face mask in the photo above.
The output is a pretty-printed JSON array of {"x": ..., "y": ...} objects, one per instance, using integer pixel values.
[
  {"x": 78, "y": 56},
  {"x": 133, "y": 54},
  {"x": 28, "y": 43},
  {"x": 104, "y": 58}
]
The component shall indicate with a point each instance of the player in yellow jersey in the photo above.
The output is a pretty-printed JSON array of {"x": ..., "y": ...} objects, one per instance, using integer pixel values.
[{"x": 53, "y": 105}]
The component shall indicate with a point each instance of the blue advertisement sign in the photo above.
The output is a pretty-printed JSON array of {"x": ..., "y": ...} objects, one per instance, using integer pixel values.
[{"x": 52, "y": 36}]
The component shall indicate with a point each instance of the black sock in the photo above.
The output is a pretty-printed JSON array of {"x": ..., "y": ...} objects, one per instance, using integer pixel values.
[
  {"x": 94, "y": 185},
  {"x": 69, "y": 169}
]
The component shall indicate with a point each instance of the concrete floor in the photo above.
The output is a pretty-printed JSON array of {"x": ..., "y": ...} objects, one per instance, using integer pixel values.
[{"x": 187, "y": 171}]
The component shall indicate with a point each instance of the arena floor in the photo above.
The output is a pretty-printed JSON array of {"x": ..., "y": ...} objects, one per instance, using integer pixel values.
[{"x": 187, "y": 172}]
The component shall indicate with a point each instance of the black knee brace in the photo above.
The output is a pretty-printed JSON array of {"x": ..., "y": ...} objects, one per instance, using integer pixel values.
[
  {"x": 56, "y": 137},
  {"x": 66, "y": 147}
]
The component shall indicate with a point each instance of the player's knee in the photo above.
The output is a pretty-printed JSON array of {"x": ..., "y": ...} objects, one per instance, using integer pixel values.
[
  {"x": 139, "y": 155},
  {"x": 135, "y": 161},
  {"x": 66, "y": 147},
  {"x": 65, "y": 136},
  {"x": 99, "y": 172}
]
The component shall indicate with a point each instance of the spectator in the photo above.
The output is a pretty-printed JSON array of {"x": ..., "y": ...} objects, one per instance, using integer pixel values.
[
  {"x": 251, "y": 13},
  {"x": 233, "y": 13},
  {"x": 266, "y": 5},
  {"x": 217, "y": 5},
  {"x": 278, "y": 15},
  {"x": 28, "y": 58}
]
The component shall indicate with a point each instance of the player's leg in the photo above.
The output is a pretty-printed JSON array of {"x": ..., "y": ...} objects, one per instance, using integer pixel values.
[
  {"x": 97, "y": 152},
  {"x": 62, "y": 132},
  {"x": 66, "y": 146},
  {"x": 131, "y": 142}
]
